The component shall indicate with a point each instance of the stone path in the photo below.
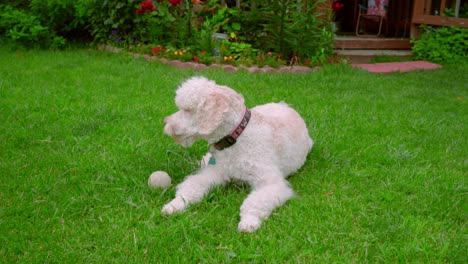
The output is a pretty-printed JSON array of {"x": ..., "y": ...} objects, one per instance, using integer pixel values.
[{"x": 388, "y": 67}]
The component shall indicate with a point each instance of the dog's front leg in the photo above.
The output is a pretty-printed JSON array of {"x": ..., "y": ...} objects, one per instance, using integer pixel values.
[
  {"x": 261, "y": 202},
  {"x": 193, "y": 188}
]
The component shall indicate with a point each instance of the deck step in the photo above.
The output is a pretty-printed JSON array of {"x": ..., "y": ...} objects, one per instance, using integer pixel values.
[
  {"x": 365, "y": 56},
  {"x": 372, "y": 43}
]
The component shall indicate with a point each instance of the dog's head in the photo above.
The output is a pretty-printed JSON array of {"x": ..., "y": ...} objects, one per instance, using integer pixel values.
[{"x": 205, "y": 111}]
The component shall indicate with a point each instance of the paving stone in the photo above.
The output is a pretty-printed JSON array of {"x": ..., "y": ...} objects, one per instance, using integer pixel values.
[
  {"x": 175, "y": 63},
  {"x": 267, "y": 69},
  {"x": 187, "y": 65},
  {"x": 243, "y": 67},
  {"x": 300, "y": 69},
  {"x": 199, "y": 66},
  {"x": 253, "y": 69},
  {"x": 284, "y": 69},
  {"x": 163, "y": 60},
  {"x": 387, "y": 67},
  {"x": 215, "y": 66},
  {"x": 229, "y": 68}
]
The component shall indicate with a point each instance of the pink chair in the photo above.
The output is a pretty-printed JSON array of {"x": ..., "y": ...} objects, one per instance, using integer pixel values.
[{"x": 375, "y": 12}]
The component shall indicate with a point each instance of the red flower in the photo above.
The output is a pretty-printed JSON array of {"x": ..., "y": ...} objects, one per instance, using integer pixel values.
[
  {"x": 337, "y": 5},
  {"x": 196, "y": 1},
  {"x": 174, "y": 2},
  {"x": 196, "y": 59},
  {"x": 156, "y": 50},
  {"x": 146, "y": 6}
]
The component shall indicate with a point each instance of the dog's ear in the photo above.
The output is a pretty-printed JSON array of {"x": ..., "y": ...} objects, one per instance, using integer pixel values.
[{"x": 210, "y": 113}]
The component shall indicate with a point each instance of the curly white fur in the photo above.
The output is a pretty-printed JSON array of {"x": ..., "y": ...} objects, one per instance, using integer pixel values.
[{"x": 274, "y": 145}]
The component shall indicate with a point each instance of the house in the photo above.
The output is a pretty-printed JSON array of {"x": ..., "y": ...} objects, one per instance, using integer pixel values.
[
  {"x": 391, "y": 37},
  {"x": 402, "y": 23}
]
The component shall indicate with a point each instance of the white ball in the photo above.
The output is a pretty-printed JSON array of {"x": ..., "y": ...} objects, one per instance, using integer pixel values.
[{"x": 159, "y": 179}]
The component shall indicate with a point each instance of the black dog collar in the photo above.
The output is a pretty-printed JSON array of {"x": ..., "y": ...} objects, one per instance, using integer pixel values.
[{"x": 231, "y": 139}]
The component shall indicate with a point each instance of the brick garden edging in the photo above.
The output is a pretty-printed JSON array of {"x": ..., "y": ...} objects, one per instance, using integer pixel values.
[{"x": 226, "y": 67}]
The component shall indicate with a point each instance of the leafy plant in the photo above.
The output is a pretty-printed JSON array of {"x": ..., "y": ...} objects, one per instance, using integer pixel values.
[
  {"x": 64, "y": 17},
  {"x": 442, "y": 44},
  {"x": 463, "y": 11},
  {"x": 204, "y": 38},
  {"x": 448, "y": 12},
  {"x": 289, "y": 28},
  {"x": 221, "y": 21},
  {"x": 26, "y": 29},
  {"x": 236, "y": 50},
  {"x": 153, "y": 26},
  {"x": 106, "y": 16},
  {"x": 181, "y": 29},
  {"x": 269, "y": 58}
]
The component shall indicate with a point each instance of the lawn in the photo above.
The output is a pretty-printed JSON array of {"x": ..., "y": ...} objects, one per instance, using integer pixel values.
[{"x": 81, "y": 131}]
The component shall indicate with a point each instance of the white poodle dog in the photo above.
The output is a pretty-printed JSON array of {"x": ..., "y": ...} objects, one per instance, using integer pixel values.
[{"x": 261, "y": 147}]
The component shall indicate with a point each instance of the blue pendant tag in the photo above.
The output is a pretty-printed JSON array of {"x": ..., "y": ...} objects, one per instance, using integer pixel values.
[{"x": 212, "y": 161}]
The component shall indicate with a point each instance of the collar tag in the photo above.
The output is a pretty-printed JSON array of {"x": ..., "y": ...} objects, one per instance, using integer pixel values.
[{"x": 212, "y": 161}]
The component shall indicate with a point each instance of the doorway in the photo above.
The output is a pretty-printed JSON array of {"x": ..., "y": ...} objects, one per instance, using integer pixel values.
[{"x": 399, "y": 18}]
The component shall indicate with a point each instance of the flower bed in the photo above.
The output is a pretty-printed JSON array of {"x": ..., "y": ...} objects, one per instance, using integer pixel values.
[
  {"x": 197, "y": 66},
  {"x": 206, "y": 32},
  {"x": 275, "y": 33}
]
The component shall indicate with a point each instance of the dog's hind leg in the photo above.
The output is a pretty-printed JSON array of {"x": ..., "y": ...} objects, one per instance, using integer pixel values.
[{"x": 261, "y": 202}]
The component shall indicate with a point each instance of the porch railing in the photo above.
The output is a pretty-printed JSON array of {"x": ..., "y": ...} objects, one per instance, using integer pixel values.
[{"x": 431, "y": 12}]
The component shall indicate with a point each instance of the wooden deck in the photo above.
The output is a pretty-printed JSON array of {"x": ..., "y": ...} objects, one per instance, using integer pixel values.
[
  {"x": 364, "y": 49},
  {"x": 371, "y": 43}
]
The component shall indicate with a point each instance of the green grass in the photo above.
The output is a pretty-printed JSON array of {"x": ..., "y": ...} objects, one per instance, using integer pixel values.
[
  {"x": 81, "y": 131},
  {"x": 388, "y": 58}
]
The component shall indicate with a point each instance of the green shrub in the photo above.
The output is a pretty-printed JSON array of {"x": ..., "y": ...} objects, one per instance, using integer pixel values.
[
  {"x": 288, "y": 28},
  {"x": 45, "y": 23},
  {"x": 154, "y": 27},
  {"x": 25, "y": 29},
  {"x": 442, "y": 44},
  {"x": 131, "y": 22},
  {"x": 66, "y": 18},
  {"x": 112, "y": 20}
]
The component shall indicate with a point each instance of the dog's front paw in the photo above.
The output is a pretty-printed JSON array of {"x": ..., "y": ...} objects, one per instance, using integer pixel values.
[
  {"x": 174, "y": 206},
  {"x": 249, "y": 224}
]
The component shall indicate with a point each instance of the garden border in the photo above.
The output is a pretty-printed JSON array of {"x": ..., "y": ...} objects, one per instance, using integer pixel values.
[{"x": 226, "y": 67}]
